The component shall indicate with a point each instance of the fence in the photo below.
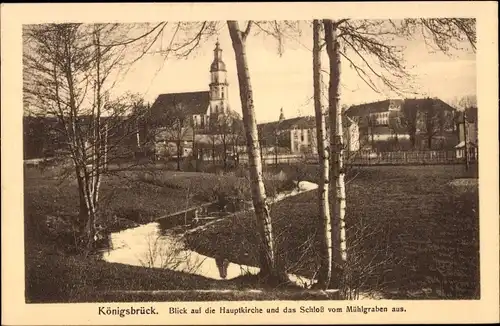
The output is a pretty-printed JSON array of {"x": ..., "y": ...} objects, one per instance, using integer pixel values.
[
  {"x": 381, "y": 158},
  {"x": 281, "y": 158},
  {"x": 408, "y": 157}
]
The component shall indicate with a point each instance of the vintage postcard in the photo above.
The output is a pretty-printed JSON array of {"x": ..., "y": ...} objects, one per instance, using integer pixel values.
[{"x": 244, "y": 163}]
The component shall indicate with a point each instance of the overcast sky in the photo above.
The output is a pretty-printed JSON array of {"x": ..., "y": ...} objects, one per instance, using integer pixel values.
[{"x": 286, "y": 81}]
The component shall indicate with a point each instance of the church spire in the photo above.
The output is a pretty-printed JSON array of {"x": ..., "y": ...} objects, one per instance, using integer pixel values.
[
  {"x": 218, "y": 85},
  {"x": 217, "y": 64}
]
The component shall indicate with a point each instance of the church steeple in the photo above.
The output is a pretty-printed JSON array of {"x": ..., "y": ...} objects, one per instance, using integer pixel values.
[
  {"x": 217, "y": 64},
  {"x": 218, "y": 84}
]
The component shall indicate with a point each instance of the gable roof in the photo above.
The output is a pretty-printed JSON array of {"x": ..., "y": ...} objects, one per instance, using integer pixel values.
[
  {"x": 298, "y": 122},
  {"x": 306, "y": 122},
  {"x": 191, "y": 102},
  {"x": 383, "y": 106},
  {"x": 415, "y": 103},
  {"x": 373, "y": 107}
]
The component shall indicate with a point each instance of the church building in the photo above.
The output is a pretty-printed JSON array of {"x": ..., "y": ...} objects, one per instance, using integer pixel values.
[
  {"x": 202, "y": 107},
  {"x": 198, "y": 110}
]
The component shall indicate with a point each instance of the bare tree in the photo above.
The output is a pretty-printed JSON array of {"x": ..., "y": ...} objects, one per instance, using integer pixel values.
[
  {"x": 362, "y": 40},
  {"x": 338, "y": 202},
  {"x": 69, "y": 69},
  {"x": 432, "y": 120},
  {"x": 267, "y": 256},
  {"x": 176, "y": 125},
  {"x": 226, "y": 130},
  {"x": 408, "y": 119},
  {"x": 325, "y": 270}
]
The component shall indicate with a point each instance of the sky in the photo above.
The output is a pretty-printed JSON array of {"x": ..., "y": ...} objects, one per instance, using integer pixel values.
[{"x": 286, "y": 81}]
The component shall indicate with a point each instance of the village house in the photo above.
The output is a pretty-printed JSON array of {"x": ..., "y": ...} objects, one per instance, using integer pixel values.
[
  {"x": 467, "y": 129},
  {"x": 395, "y": 124},
  {"x": 298, "y": 135}
]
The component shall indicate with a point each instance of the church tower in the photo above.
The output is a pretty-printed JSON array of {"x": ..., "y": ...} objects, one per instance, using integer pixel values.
[{"x": 218, "y": 85}]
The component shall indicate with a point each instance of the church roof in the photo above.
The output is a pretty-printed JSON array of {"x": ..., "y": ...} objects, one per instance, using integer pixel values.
[
  {"x": 218, "y": 65},
  {"x": 190, "y": 102}
]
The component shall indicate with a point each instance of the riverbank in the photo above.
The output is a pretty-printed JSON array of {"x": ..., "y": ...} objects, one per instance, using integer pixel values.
[
  {"x": 151, "y": 245},
  {"x": 423, "y": 219},
  {"x": 55, "y": 272},
  {"x": 406, "y": 226}
]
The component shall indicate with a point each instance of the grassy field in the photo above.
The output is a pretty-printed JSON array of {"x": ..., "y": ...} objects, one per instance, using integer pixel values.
[
  {"x": 53, "y": 276},
  {"x": 420, "y": 222},
  {"x": 55, "y": 272},
  {"x": 407, "y": 224}
]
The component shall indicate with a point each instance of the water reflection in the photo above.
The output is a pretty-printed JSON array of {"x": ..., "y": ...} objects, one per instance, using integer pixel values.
[{"x": 160, "y": 244}]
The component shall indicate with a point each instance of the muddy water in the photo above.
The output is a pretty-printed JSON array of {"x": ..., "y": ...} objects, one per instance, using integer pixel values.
[{"x": 160, "y": 244}]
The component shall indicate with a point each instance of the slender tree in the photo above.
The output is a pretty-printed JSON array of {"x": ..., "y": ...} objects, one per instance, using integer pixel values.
[
  {"x": 267, "y": 255},
  {"x": 323, "y": 154},
  {"x": 336, "y": 144},
  {"x": 69, "y": 70}
]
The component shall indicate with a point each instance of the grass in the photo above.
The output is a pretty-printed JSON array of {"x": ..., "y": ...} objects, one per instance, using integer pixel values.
[
  {"x": 53, "y": 276},
  {"x": 424, "y": 225},
  {"x": 138, "y": 196},
  {"x": 426, "y": 222},
  {"x": 57, "y": 273}
]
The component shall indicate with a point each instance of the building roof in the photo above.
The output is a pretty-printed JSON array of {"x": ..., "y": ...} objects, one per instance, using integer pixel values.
[
  {"x": 414, "y": 103},
  {"x": 218, "y": 64},
  {"x": 382, "y": 106},
  {"x": 373, "y": 107},
  {"x": 306, "y": 122},
  {"x": 191, "y": 102}
]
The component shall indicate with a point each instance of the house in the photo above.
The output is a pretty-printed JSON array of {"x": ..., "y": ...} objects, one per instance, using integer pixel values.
[
  {"x": 394, "y": 124},
  {"x": 466, "y": 124},
  {"x": 298, "y": 135},
  {"x": 470, "y": 125},
  {"x": 197, "y": 112}
]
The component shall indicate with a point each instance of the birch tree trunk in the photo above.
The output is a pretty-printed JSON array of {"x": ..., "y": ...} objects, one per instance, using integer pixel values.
[
  {"x": 267, "y": 256},
  {"x": 336, "y": 149},
  {"x": 325, "y": 233}
]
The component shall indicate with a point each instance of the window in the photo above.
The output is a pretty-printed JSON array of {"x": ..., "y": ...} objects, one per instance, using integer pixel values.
[
  {"x": 302, "y": 135},
  {"x": 216, "y": 109}
]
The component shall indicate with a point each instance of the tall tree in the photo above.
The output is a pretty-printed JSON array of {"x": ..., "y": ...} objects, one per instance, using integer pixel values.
[
  {"x": 325, "y": 237},
  {"x": 433, "y": 120},
  {"x": 68, "y": 73},
  {"x": 267, "y": 255},
  {"x": 366, "y": 47},
  {"x": 336, "y": 144},
  {"x": 226, "y": 130},
  {"x": 177, "y": 123},
  {"x": 408, "y": 119}
]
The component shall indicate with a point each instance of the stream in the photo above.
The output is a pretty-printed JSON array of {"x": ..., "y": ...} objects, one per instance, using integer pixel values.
[{"x": 160, "y": 244}]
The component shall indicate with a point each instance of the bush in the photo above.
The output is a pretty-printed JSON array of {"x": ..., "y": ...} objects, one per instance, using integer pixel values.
[{"x": 231, "y": 192}]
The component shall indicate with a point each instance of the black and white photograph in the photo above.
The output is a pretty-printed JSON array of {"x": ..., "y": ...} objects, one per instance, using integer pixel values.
[{"x": 316, "y": 159}]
